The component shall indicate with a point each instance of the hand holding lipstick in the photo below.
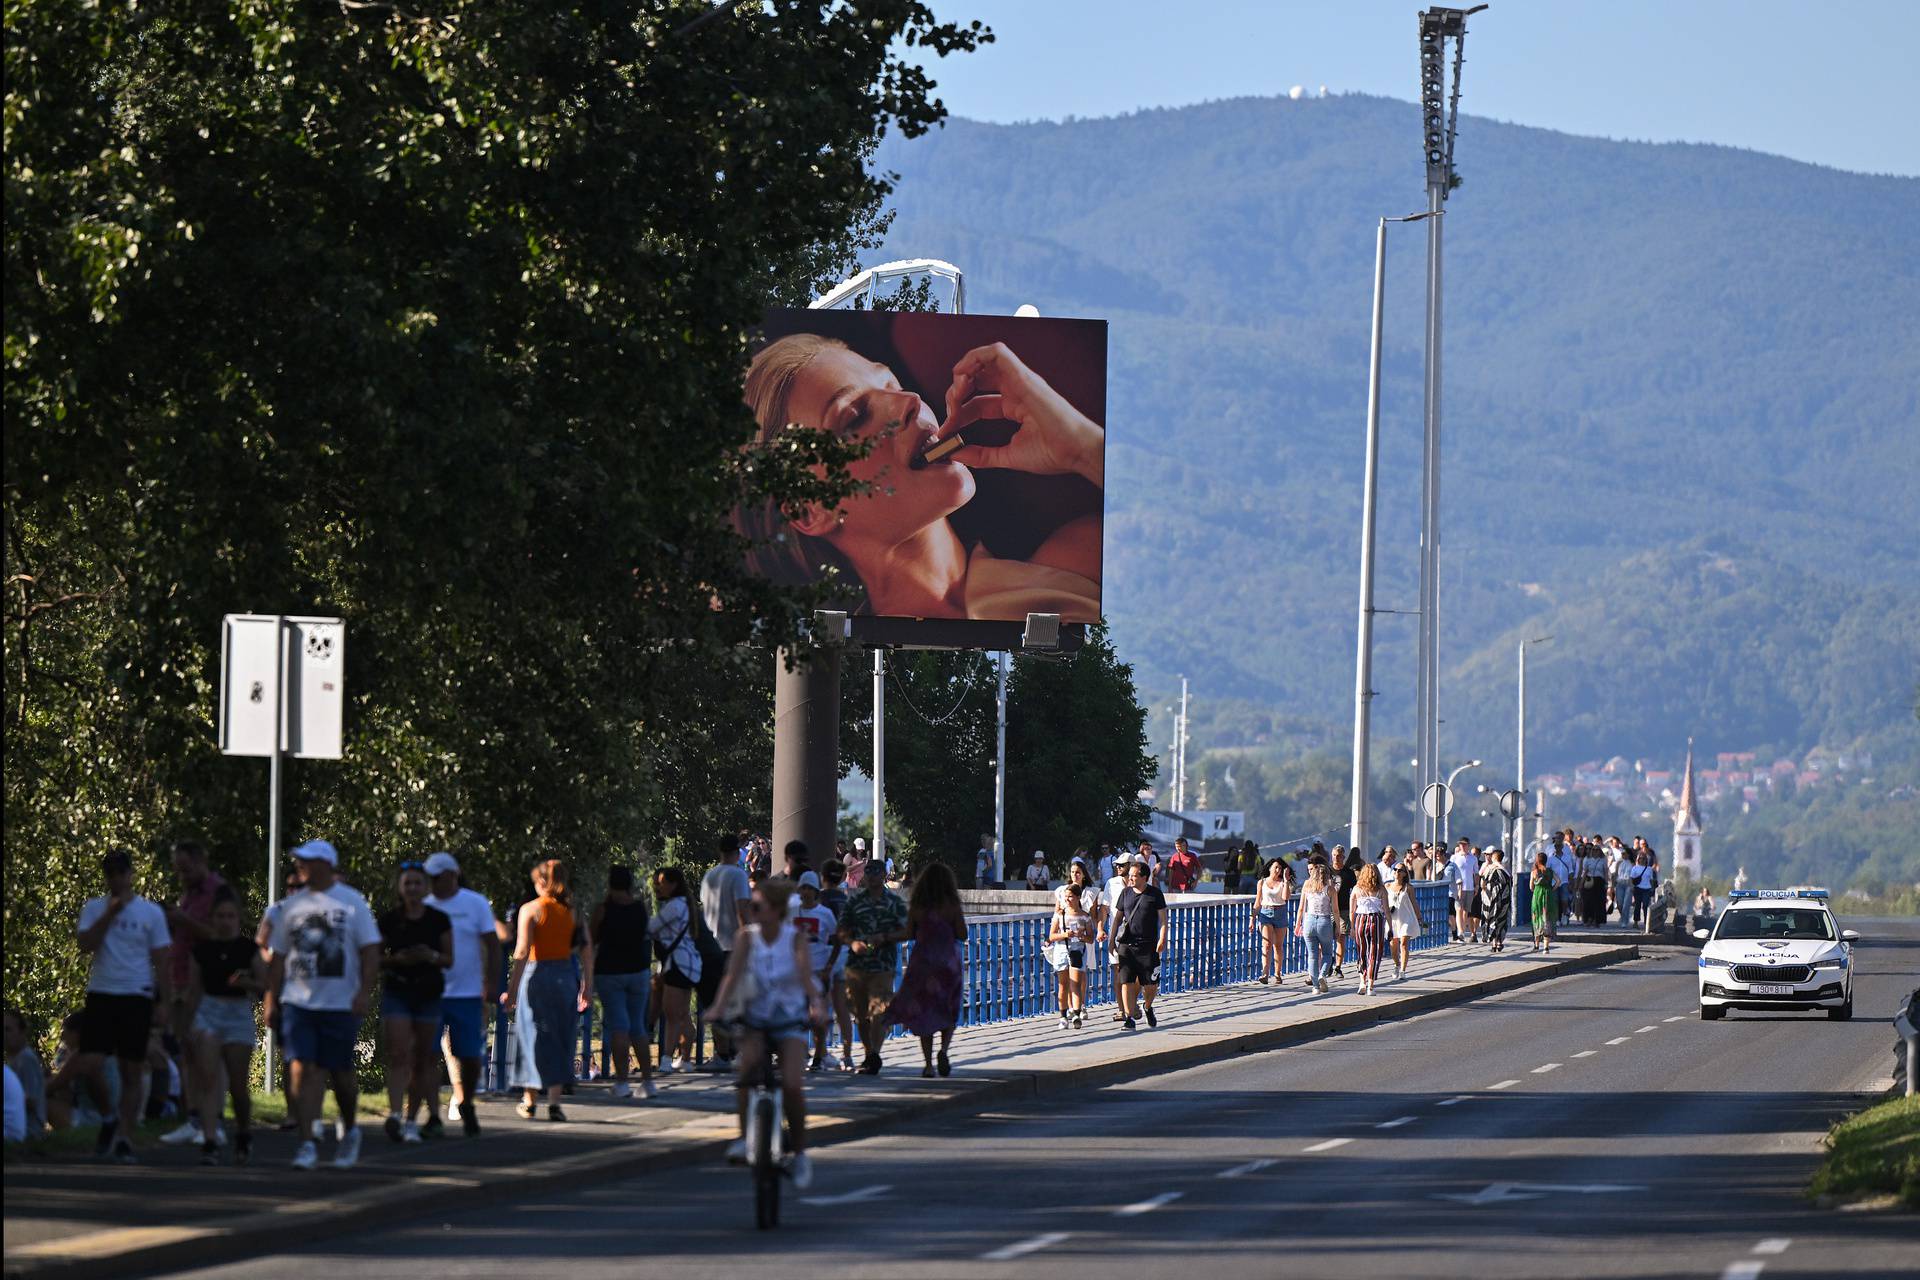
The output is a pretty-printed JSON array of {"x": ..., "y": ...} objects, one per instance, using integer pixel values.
[{"x": 1054, "y": 438}]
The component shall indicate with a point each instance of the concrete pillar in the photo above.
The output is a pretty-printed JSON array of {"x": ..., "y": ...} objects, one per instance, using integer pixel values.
[{"x": 806, "y": 751}]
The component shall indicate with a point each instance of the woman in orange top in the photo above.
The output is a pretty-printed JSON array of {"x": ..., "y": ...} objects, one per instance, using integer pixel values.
[{"x": 543, "y": 994}]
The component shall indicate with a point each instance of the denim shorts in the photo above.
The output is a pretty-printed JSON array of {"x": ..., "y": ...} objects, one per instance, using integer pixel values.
[
  {"x": 228, "y": 1019},
  {"x": 465, "y": 1024},
  {"x": 623, "y": 1002},
  {"x": 323, "y": 1038},
  {"x": 395, "y": 1004}
]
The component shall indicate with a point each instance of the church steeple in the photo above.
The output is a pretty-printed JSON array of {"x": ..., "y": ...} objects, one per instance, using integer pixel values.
[{"x": 1686, "y": 824}]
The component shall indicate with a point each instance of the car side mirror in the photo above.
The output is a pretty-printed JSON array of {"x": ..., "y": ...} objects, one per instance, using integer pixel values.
[
  {"x": 1703, "y": 934},
  {"x": 1849, "y": 935}
]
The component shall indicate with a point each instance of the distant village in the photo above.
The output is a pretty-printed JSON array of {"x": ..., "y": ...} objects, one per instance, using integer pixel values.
[{"x": 1738, "y": 777}]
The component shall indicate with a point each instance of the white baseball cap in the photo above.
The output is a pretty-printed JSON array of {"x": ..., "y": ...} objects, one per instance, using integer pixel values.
[
  {"x": 1039, "y": 855},
  {"x": 318, "y": 851},
  {"x": 438, "y": 864},
  {"x": 809, "y": 878},
  {"x": 860, "y": 843}
]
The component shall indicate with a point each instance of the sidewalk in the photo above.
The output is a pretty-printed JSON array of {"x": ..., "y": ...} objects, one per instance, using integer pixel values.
[{"x": 78, "y": 1218}]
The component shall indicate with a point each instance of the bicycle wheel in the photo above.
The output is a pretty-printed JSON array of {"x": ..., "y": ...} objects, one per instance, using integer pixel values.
[{"x": 766, "y": 1174}]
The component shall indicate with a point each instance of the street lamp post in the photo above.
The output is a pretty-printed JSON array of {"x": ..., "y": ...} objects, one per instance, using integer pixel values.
[
  {"x": 1520, "y": 745},
  {"x": 1363, "y": 657},
  {"x": 1446, "y": 813}
]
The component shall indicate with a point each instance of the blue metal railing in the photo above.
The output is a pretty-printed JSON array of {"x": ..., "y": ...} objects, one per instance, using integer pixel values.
[{"x": 1008, "y": 977}]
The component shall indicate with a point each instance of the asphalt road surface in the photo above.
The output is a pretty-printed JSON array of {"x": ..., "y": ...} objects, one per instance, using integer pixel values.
[{"x": 1591, "y": 1126}]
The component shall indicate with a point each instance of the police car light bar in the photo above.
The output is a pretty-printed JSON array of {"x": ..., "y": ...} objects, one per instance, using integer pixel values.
[{"x": 1818, "y": 894}]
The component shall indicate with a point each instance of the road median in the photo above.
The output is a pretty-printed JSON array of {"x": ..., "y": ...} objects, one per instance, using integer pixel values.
[{"x": 70, "y": 1220}]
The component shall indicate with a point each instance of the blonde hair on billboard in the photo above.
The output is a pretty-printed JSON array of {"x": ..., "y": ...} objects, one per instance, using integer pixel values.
[{"x": 777, "y": 550}]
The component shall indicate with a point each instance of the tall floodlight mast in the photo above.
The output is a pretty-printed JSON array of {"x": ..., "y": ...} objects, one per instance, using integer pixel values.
[{"x": 1439, "y": 117}]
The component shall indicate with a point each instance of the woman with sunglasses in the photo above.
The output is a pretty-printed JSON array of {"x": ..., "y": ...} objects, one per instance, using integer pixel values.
[
  {"x": 416, "y": 948},
  {"x": 770, "y": 979}
]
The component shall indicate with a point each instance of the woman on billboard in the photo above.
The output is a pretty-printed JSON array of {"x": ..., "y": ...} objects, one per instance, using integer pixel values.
[{"x": 897, "y": 537}]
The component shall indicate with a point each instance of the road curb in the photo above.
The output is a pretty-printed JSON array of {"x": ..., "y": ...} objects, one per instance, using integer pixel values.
[{"x": 138, "y": 1251}]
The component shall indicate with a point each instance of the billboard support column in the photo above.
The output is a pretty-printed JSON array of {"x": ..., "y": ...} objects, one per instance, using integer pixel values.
[
  {"x": 880, "y": 755},
  {"x": 1004, "y": 660},
  {"x": 806, "y": 747}
]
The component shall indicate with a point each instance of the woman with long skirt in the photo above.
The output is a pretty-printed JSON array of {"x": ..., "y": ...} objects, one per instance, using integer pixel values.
[
  {"x": 1496, "y": 898},
  {"x": 543, "y": 994},
  {"x": 1403, "y": 914},
  {"x": 1544, "y": 903},
  {"x": 928, "y": 1002}
]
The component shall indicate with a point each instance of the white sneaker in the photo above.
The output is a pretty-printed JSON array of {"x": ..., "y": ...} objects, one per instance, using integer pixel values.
[
  {"x": 453, "y": 1112},
  {"x": 1323, "y": 986},
  {"x": 349, "y": 1153},
  {"x": 187, "y": 1132},
  {"x": 846, "y": 1063},
  {"x": 307, "y": 1156},
  {"x": 411, "y": 1133},
  {"x": 737, "y": 1151},
  {"x": 1066, "y": 1024},
  {"x": 801, "y": 1170},
  {"x": 620, "y": 1090},
  {"x": 647, "y": 1090}
]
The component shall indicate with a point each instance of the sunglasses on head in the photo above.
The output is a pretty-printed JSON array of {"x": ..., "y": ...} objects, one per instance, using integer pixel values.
[{"x": 413, "y": 866}]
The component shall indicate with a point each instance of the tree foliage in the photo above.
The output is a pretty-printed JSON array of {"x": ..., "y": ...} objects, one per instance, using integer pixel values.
[{"x": 431, "y": 317}]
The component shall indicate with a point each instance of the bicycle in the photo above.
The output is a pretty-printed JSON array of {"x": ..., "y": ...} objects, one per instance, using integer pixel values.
[{"x": 766, "y": 1138}]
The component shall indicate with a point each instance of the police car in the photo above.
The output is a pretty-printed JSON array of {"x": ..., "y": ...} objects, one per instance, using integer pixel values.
[{"x": 1776, "y": 949}]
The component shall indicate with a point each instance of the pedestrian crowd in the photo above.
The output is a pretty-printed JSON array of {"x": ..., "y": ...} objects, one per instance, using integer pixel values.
[{"x": 178, "y": 996}]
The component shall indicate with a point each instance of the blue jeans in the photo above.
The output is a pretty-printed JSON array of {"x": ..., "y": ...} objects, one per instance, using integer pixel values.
[
  {"x": 1319, "y": 947},
  {"x": 623, "y": 1002}
]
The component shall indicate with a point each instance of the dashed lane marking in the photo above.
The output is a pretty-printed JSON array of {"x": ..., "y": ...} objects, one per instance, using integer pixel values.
[
  {"x": 1743, "y": 1271},
  {"x": 1586, "y": 1053},
  {"x": 1025, "y": 1247},
  {"x": 1242, "y": 1170},
  {"x": 1619, "y": 1039},
  {"x": 1139, "y": 1207},
  {"x": 1328, "y": 1145},
  {"x": 1453, "y": 1101},
  {"x": 1396, "y": 1123},
  {"x": 1773, "y": 1244},
  {"x": 1504, "y": 1084},
  {"x": 1678, "y": 1017},
  {"x": 1640, "y": 1031},
  {"x": 1551, "y": 1066}
]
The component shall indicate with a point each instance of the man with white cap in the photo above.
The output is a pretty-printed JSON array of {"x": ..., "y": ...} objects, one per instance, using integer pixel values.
[
  {"x": 470, "y": 987},
  {"x": 1109, "y": 900},
  {"x": 817, "y": 924},
  {"x": 1037, "y": 877},
  {"x": 326, "y": 955}
]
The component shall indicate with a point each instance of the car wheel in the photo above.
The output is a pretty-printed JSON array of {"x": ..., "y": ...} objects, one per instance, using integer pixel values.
[
  {"x": 1843, "y": 1013},
  {"x": 1712, "y": 1012}
]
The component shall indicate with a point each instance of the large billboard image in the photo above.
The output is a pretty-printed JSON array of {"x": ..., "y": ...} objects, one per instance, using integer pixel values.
[{"x": 985, "y": 476}]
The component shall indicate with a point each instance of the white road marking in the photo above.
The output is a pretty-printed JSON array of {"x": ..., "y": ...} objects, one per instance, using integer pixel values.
[
  {"x": 1139, "y": 1207},
  {"x": 1775, "y": 1244},
  {"x": 1678, "y": 1017},
  {"x": 1504, "y": 1084},
  {"x": 1551, "y": 1066},
  {"x": 1499, "y": 1192},
  {"x": 1586, "y": 1053},
  {"x": 1395, "y": 1124},
  {"x": 850, "y": 1197},
  {"x": 1025, "y": 1247},
  {"x": 1640, "y": 1031},
  {"x": 1743, "y": 1271},
  {"x": 1328, "y": 1145},
  {"x": 1619, "y": 1039},
  {"x": 1242, "y": 1170},
  {"x": 1456, "y": 1099}
]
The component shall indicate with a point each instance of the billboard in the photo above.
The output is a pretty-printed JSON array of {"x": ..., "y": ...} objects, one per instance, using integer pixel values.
[{"x": 984, "y": 480}]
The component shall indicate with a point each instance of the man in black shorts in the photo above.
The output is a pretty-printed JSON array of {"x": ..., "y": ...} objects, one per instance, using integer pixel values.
[
  {"x": 127, "y": 937},
  {"x": 1139, "y": 939}
]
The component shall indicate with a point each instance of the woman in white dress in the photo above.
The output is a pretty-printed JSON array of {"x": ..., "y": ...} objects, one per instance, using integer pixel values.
[{"x": 1405, "y": 915}]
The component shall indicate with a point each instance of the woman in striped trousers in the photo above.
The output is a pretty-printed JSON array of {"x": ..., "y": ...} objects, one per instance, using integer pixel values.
[{"x": 1369, "y": 917}]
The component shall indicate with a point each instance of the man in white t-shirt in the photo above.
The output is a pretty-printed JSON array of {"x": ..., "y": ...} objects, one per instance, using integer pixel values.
[
  {"x": 1467, "y": 888},
  {"x": 817, "y": 924},
  {"x": 326, "y": 955},
  {"x": 1103, "y": 869},
  {"x": 726, "y": 903},
  {"x": 470, "y": 988},
  {"x": 127, "y": 937}
]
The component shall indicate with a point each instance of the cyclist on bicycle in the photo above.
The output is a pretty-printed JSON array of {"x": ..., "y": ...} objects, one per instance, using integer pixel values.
[{"x": 769, "y": 991}]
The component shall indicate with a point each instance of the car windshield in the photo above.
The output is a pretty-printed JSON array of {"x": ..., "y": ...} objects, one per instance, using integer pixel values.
[{"x": 1801, "y": 924}]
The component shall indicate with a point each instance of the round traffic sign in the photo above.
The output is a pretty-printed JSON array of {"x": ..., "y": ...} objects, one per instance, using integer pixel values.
[
  {"x": 1513, "y": 804},
  {"x": 1437, "y": 800}
]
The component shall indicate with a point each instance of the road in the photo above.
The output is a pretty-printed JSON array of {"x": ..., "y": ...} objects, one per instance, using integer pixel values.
[{"x": 1591, "y": 1126}]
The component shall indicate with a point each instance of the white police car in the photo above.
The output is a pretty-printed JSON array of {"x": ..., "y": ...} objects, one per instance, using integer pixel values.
[{"x": 1776, "y": 949}]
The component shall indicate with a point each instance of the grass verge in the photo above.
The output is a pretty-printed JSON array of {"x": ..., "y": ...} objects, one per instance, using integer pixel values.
[{"x": 1874, "y": 1152}]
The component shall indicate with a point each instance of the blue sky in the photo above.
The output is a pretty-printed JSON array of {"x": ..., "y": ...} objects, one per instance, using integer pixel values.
[{"x": 1830, "y": 83}]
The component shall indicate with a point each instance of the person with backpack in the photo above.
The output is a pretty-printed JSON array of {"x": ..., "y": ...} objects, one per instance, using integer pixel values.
[{"x": 680, "y": 966}]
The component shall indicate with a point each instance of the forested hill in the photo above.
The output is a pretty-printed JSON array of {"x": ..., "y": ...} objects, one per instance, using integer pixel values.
[{"x": 1658, "y": 357}]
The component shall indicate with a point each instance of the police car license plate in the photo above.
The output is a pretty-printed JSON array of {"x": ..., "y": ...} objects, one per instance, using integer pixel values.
[{"x": 1770, "y": 989}]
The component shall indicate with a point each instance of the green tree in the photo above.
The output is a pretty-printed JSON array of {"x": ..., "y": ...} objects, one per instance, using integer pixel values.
[{"x": 433, "y": 319}]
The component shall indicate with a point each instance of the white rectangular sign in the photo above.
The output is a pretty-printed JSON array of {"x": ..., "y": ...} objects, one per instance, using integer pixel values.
[{"x": 260, "y": 654}]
